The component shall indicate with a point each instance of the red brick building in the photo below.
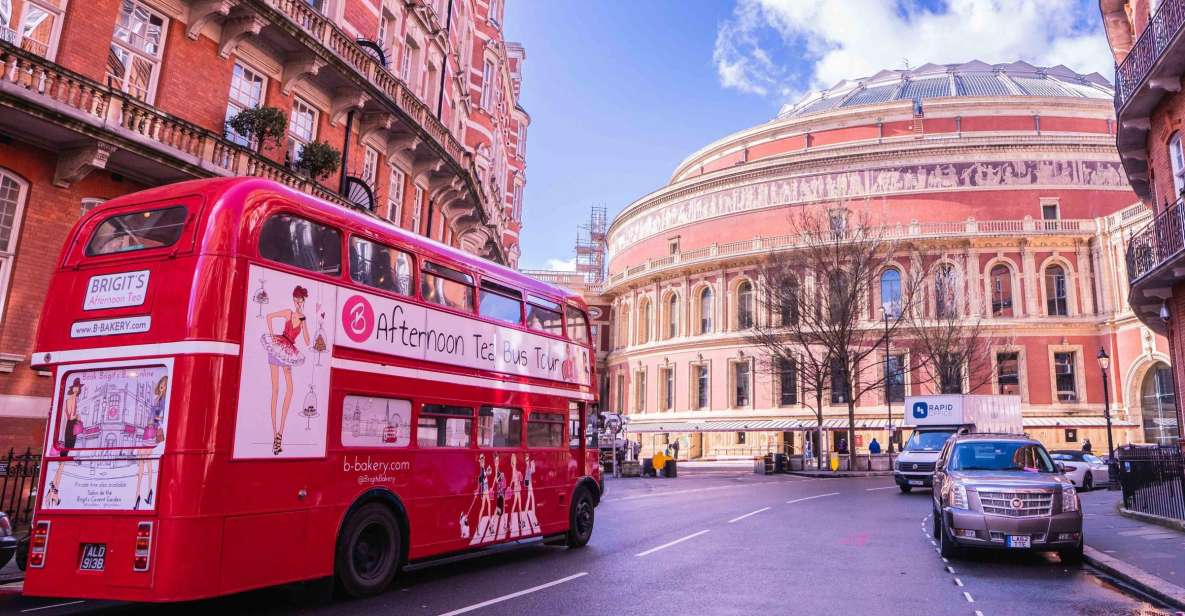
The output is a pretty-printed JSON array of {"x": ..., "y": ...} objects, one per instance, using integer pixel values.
[
  {"x": 99, "y": 98},
  {"x": 1149, "y": 50},
  {"x": 1002, "y": 178}
]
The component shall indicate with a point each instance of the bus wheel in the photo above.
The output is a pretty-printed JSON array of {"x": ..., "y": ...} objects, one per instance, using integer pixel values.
[
  {"x": 580, "y": 526},
  {"x": 368, "y": 551}
]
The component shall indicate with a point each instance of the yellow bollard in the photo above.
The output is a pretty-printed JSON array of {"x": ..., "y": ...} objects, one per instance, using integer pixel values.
[{"x": 834, "y": 461}]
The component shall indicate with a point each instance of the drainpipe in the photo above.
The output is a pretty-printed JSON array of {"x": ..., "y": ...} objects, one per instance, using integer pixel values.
[
  {"x": 448, "y": 24},
  {"x": 341, "y": 186}
]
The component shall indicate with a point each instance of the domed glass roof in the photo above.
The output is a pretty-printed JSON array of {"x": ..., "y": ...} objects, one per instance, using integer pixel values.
[{"x": 973, "y": 78}]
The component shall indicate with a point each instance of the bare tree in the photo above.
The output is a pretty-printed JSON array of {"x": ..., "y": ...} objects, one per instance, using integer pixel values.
[
  {"x": 824, "y": 283},
  {"x": 951, "y": 349}
]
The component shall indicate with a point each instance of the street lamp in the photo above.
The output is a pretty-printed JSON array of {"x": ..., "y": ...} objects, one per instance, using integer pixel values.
[
  {"x": 1104, "y": 364},
  {"x": 885, "y": 308}
]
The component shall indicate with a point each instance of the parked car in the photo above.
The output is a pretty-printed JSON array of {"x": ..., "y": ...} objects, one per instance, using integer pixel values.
[
  {"x": 8, "y": 541},
  {"x": 1084, "y": 469},
  {"x": 1004, "y": 491}
]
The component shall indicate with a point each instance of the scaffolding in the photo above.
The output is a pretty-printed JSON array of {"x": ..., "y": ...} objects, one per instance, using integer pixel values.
[{"x": 591, "y": 246}]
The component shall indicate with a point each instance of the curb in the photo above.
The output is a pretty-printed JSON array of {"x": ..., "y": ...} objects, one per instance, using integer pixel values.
[
  {"x": 825, "y": 474},
  {"x": 1151, "y": 585},
  {"x": 1151, "y": 518}
]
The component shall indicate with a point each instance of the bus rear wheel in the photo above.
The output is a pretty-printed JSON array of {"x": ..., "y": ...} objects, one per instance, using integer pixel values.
[
  {"x": 582, "y": 517},
  {"x": 368, "y": 551}
]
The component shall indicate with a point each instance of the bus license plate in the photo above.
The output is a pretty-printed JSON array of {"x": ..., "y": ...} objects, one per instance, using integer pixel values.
[
  {"x": 94, "y": 556},
  {"x": 1019, "y": 541}
]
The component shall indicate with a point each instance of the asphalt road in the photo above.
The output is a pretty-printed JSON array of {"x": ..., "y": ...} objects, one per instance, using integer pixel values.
[{"x": 719, "y": 541}]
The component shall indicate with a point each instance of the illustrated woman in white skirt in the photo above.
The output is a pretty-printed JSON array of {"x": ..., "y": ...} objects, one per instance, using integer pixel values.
[{"x": 282, "y": 355}]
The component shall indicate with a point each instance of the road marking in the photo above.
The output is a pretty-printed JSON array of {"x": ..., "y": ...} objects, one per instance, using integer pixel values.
[
  {"x": 46, "y": 607},
  {"x": 875, "y": 489},
  {"x": 807, "y": 498},
  {"x": 667, "y": 545},
  {"x": 950, "y": 570},
  {"x": 968, "y": 596},
  {"x": 958, "y": 582},
  {"x": 978, "y": 613},
  {"x": 512, "y": 595},
  {"x": 738, "y": 519},
  {"x": 945, "y": 560}
]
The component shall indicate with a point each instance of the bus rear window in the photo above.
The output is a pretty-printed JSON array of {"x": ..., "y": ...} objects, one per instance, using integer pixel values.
[{"x": 157, "y": 228}]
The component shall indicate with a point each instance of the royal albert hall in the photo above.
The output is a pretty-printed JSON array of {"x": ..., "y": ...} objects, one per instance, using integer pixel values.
[{"x": 1004, "y": 176}]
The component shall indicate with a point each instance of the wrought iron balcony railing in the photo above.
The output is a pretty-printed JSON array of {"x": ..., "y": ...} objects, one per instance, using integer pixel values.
[
  {"x": 1161, "y": 31},
  {"x": 1159, "y": 242}
]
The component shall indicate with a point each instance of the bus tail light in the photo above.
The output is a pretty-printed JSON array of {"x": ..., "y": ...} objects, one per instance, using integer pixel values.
[
  {"x": 38, "y": 543},
  {"x": 143, "y": 546}
]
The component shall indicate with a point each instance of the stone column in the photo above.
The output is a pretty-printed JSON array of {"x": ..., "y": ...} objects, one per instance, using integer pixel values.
[
  {"x": 974, "y": 284},
  {"x": 1029, "y": 279},
  {"x": 1086, "y": 279}
]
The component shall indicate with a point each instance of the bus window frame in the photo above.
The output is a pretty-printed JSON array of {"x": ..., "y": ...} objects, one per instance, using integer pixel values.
[
  {"x": 416, "y": 258},
  {"x": 522, "y": 428},
  {"x": 425, "y": 261},
  {"x": 418, "y": 412},
  {"x": 563, "y": 335},
  {"x": 509, "y": 288},
  {"x": 562, "y": 414},
  {"x": 185, "y": 244},
  {"x": 342, "y": 275}
]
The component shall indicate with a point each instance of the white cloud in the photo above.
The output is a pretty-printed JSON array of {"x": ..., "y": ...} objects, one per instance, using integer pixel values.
[
  {"x": 787, "y": 47},
  {"x": 561, "y": 265}
]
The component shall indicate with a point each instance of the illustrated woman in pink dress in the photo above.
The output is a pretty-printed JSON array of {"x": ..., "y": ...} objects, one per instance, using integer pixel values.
[
  {"x": 70, "y": 432},
  {"x": 282, "y": 355}
]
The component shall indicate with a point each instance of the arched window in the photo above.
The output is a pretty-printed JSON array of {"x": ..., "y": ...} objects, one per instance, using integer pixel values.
[
  {"x": 1055, "y": 291},
  {"x": 837, "y": 298},
  {"x": 946, "y": 305},
  {"x": 672, "y": 316},
  {"x": 790, "y": 300},
  {"x": 645, "y": 313},
  {"x": 745, "y": 305},
  {"x": 1158, "y": 407},
  {"x": 705, "y": 311},
  {"x": 1001, "y": 281},
  {"x": 891, "y": 292}
]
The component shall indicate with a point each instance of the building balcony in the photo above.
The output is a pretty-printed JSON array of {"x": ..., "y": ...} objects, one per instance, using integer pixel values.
[
  {"x": 1156, "y": 263},
  {"x": 317, "y": 50},
  {"x": 94, "y": 126},
  {"x": 1149, "y": 72},
  {"x": 970, "y": 228}
]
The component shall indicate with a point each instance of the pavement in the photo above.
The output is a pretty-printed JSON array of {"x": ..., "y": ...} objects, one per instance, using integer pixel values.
[
  {"x": 721, "y": 540},
  {"x": 1148, "y": 556}
]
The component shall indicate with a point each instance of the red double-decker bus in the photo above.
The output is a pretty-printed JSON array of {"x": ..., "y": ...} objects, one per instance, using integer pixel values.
[{"x": 254, "y": 387}]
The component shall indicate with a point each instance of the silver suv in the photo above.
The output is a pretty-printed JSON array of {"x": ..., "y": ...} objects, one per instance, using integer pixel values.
[{"x": 1004, "y": 491}]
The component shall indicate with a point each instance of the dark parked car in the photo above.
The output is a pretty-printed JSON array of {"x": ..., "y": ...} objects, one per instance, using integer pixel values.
[
  {"x": 8, "y": 541},
  {"x": 1004, "y": 491}
]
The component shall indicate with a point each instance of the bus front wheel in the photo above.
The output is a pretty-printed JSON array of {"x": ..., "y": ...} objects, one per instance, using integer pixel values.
[
  {"x": 583, "y": 514},
  {"x": 368, "y": 551}
]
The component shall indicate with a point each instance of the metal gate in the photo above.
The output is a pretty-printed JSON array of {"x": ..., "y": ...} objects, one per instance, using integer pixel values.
[{"x": 18, "y": 486}]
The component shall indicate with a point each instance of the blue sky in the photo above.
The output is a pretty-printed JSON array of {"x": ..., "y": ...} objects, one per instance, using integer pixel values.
[{"x": 621, "y": 91}]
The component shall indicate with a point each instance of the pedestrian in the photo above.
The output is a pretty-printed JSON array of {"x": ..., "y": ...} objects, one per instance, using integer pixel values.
[
  {"x": 637, "y": 449},
  {"x": 874, "y": 447},
  {"x": 675, "y": 448},
  {"x": 842, "y": 448},
  {"x": 807, "y": 454},
  {"x": 1086, "y": 446}
]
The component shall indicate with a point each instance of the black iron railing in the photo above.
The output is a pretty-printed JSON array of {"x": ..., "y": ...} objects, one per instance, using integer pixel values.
[
  {"x": 1153, "y": 480},
  {"x": 1162, "y": 29},
  {"x": 1160, "y": 241},
  {"x": 18, "y": 486}
]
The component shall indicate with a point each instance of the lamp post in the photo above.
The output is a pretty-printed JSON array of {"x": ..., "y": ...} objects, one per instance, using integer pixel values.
[
  {"x": 885, "y": 308},
  {"x": 1104, "y": 364}
]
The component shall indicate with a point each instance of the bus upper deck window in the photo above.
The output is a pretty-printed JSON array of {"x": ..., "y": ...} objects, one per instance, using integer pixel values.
[
  {"x": 500, "y": 303},
  {"x": 378, "y": 266},
  {"x": 544, "y": 315},
  {"x": 138, "y": 231},
  {"x": 577, "y": 325},
  {"x": 301, "y": 243},
  {"x": 446, "y": 287}
]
